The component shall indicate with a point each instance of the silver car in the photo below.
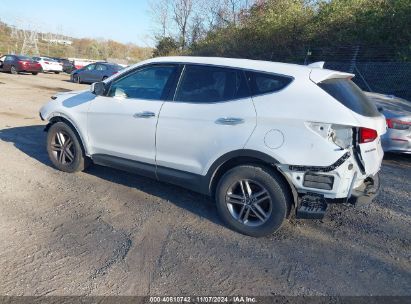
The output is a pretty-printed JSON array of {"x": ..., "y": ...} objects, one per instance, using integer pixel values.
[{"x": 397, "y": 112}]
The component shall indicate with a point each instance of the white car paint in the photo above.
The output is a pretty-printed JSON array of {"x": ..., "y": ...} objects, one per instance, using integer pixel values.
[
  {"x": 287, "y": 125},
  {"x": 49, "y": 65}
]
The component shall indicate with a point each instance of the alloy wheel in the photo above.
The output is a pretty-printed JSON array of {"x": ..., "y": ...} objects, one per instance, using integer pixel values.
[
  {"x": 249, "y": 202},
  {"x": 63, "y": 149}
]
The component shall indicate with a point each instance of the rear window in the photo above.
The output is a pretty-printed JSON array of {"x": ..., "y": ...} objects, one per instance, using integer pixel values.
[
  {"x": 351, "y": 96},
  {"x": 264, "y": 83},
  {"x": 116, "y": 67},
  {"x": 24, "y": 58}
]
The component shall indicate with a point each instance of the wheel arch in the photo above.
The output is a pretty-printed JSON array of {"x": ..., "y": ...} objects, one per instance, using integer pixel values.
[
  {"x": 243, "y": 157},
  {"x": 66, "y": 120}
]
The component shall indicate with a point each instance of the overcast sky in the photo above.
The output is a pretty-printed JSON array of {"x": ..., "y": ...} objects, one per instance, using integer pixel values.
[{"x": 121, "y": 20}]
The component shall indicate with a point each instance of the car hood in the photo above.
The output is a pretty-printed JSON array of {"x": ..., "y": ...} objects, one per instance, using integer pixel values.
[{"x": 63, "y": 94}]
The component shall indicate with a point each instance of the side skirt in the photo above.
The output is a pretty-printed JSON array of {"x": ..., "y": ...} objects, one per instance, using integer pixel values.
[{"x": 191, "y": 181}]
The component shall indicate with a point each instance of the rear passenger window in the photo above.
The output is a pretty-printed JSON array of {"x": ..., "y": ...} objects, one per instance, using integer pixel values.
[
  {"x": 202, "y": 84},
  {"x": 263, "y": 83}
]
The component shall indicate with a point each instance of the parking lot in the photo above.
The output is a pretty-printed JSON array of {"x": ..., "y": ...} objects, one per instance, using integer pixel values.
[{"x": 106, "y": 232}]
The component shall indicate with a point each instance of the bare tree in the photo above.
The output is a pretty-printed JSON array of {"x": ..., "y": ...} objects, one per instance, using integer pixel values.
[
  {"x": 182, "y": 10},
  {"x": 160, "y": 12}
]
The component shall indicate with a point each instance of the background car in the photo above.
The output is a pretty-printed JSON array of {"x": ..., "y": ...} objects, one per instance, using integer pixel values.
[
  {"x": 68, "y": 66},
  {"x": 49, "y": 64},
  {"x": 95, "y": 72},
  {"x": 397, "y": 112},
  {"x": 19, "y": 63}
]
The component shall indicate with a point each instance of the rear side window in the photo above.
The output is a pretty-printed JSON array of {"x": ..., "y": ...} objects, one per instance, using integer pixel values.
[
  {"x": 263, "y": 83},
  {"x": 350, "y": 95},
  {"x": 101, "y": 67},
  {"x": 202, "y": 84}
]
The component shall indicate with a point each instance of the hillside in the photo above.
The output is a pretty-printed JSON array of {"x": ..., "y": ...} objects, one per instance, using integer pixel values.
[{"x": 12, "y": 42}]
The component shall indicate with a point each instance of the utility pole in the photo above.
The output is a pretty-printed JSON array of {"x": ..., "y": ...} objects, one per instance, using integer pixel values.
[{"x": 30, "y": 42}]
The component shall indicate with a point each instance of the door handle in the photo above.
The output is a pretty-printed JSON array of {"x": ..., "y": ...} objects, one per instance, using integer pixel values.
[
  {"x": 145, "y": 114},
  {"x": 229, "y": 121}
]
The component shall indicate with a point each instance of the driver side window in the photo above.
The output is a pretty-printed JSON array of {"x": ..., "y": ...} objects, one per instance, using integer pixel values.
[{"x": 146, "y": 83}]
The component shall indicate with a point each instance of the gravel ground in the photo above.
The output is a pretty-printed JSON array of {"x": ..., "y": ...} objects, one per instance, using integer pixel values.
[{"x": 106, "y": 232}]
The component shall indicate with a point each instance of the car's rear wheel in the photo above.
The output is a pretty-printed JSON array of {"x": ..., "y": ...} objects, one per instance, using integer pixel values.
[
  {"x": 252, "y": 200},
  {"x": 64, "y": 148},
  {"x": 13, "y": 70},
  {"x": 34, "y": 73},
  {"x": 56, "y": 72}
]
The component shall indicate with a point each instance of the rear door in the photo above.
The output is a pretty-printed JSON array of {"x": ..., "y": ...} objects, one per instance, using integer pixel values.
[
  {"x": 211, "y": 114},
  {"x": 99, "y": 72}
]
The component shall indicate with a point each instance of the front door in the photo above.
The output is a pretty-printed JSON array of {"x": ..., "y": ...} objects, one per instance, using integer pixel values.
[{"x": 123, "y": 122}]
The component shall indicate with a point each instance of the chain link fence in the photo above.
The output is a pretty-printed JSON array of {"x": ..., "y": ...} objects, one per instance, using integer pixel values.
[{"x": 377, "y": 69}]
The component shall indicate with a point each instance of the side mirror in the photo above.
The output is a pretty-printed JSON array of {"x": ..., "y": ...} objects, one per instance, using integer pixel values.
[{"x": 98, "y": 88}]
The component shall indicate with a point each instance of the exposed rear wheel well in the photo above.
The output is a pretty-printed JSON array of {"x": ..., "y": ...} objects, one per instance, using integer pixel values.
[{"x": 246, "y": 160}]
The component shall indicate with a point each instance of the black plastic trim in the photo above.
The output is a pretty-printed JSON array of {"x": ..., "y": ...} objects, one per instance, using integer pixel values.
[
  {"x": 332, "y": 167},
  {"x": 195, "y": 182},
  {"x": 132, "y": 166}
]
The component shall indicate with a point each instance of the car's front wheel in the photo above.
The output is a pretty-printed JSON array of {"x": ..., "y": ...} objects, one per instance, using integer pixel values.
[
  {"x": 76, "y": 78},
  {"x": 64, "y": 148},
  {"x": 252, "y": 200}
]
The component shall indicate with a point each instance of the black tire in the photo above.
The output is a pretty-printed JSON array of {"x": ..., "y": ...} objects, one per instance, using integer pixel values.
[
  {"x": 34, "y": 73},
  {"x": 275, "y": 207},
  {"x": 76, "y": 78},
  {"x": 56, "y": 72},
  {"x": 13, "y": 70},
  {"x": 72, "y": 160}
]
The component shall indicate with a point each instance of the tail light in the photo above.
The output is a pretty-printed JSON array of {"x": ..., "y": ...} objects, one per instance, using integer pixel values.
[
  {"x": 46, "y": 62},
  {"x": 398, "y": 124},
  {"x": 367, "y": 135}
]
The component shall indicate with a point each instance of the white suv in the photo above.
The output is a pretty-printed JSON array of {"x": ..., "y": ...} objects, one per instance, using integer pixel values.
[{"x": 260, "y": 137}]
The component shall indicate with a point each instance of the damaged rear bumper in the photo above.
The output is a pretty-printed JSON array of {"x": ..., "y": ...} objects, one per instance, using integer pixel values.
[
  {"x": 341, "y": 182},
  {"x": 366, "y": 192}
]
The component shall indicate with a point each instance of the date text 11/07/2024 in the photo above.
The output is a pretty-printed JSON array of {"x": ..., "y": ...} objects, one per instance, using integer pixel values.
[{"x": 205, "y": 299}]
